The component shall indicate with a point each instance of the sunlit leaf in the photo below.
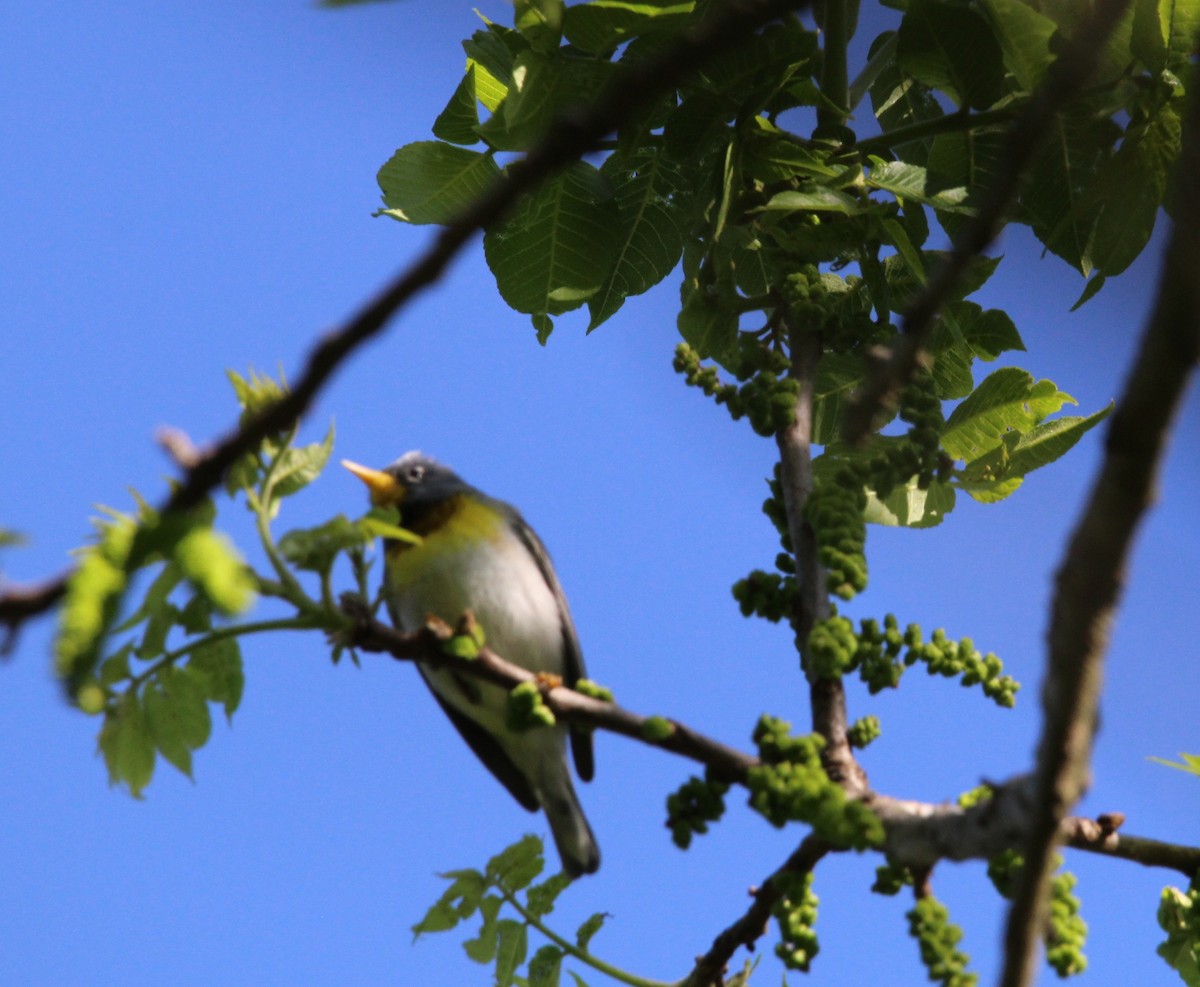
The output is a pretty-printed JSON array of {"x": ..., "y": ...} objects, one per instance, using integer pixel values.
[{"x": 432, "y": 181}]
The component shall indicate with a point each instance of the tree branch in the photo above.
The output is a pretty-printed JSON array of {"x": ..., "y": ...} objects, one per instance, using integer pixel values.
[
  {"x": 918, "y": 833},
  {"x": 1064, "y": 79},
  {"x": 827, "y": 697},
  {"x": 1089, "y": 581},
  {"x": 19, "y": 603},
  {"x": 747, "y": 930},
  {"x": 567, "y": 139}
]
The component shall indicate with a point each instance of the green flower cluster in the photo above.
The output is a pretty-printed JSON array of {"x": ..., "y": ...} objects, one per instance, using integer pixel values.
[
  {"x": 832, "y": 647},
  {"x": 1066, "y": 931},
  {"x": 589, "y": 688},
  {"x": 766, "y": 396},
  {"x": 974, "y": 796},
  {"x": 878, "y": 655},
  {"x": 795, "y": 912},
  {"x": 835, "y": 512},
  {"x": 526, "y": 709},
  {"x": 790, "y": 785},
  {"x": 863, "y": 731},
  {"x": 695, "y": 804},
  {"x": 891, "y": 878},
  {"x": 921, "y": 408},
  {"x": 807, "y": 298},
  {"x": 766, "y": 594},
  {"x": 943, "y": 656},
  {"x": 929, "y": 923}
]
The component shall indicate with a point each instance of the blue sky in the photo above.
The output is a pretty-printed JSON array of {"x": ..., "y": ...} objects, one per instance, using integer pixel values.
[{"x": 188, "y": 188}]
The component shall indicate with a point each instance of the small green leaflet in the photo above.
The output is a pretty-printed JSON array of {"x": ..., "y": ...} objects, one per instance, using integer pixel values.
[
  {"x": 815, "y": 199},
  {"x": 909, "y": 182},
  {"x": 1008, "y": 400},
  {"x": 1188, "y": 762}
]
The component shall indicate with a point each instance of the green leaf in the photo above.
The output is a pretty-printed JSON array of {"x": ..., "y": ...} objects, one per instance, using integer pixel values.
[
  {"x": 459, "y": 901},
  {"x": 155, "y": 599},
  {"x": 583, "y": 936},
  {"x": 154, "y": 639},
  {"x": 482, "y": 949},
  {"x": 645, "y": 186},
  {"x": 972, "y": 160},
  {"x": 911, "y": 507},
  {"x": 1130, "y": 188},
  {"x": 899, "y": 100},
  {"x": 1164, "y": 32},
  {"x": 1090, "y": 290},
  {"x": 511, "y": 950},
  {"x": 951, "y": 48},
  {"x": 540, "y": 898},
  {"x": 213, "y": 566},
  {"x": 1009, "y": 400},
  {"x": 1050, "y": 441},
  {"x": 545, "y": 968},
  {"x": 912, "y": 183},
  {"x": 540, "y": 22},
  {"x": 457, "y": 122},
  {"x": 559, "y": 246},
  {"x": 177, "y": 716},
  {"x": 839, "y": 375},
  {"x": 127, "y": 746},
  {"x": 218, "y": 663},
  {"x": 987, "y": 333},
  {"x": 1177, "y": 917},
  {"x": 1188, "y": 762},
  {"x": 1053, "y": 200},
  {"x": 813, "y": 199},
  {"x": 904, "y": 286},
  {"x": 602, "y": 25},
  {"x": 314, "y": 549},
  {"x": 544, "y": 86},
  {"x": 432, "y": 182},
  {"x": 516, "y": 865},
  {"x": 771, "y": 155},
  {"x": 492, "y": 52},
  {"x": 115, "y": 668},
  {"x": 1024, "y": 36},
  {"x": 579, "y": 981}
]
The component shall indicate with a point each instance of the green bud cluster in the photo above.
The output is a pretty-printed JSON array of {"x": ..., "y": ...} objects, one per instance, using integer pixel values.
[
  {"x": 766, "y": 396},
  {"x": 776, "y": 511},
  {"x": 795, "y": 911},
  {"x": 92, "y": 598},
  {"x": 656, "y": 729},
  {"x": 831, "y": 648},
  {"x": 863, "y": 731},
  {"x": 929, "y": 923},
  {"x": 1067, "y": 933},
  {"x": 920, "y": 407},
  {"x": 877, "y": 657},
  {"x": 790, "y": 785},
  {"x": 1003, "y": 870},
  {"x": 695, "y": 804},
  {"x": 526, "y": 709},
  {"x": 807, "y": 298},
  {"x": 835, "y": 512},
  {"x": 891, "y": 878},
  {"x": 943, "y": 656},
  {"x": 766, "y": 594},
  {"x": 1179, "y": 918}
]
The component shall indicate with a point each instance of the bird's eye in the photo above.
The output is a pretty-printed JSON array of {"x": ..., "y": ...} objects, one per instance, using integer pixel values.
[{"x": 416, "y": 474}]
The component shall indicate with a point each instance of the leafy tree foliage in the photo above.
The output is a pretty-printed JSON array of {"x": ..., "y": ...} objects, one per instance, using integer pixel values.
[{"x": 801, "y": 207}]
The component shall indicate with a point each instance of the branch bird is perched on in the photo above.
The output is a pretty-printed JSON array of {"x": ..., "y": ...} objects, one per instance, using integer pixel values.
[{"x": 478, "y": 554}]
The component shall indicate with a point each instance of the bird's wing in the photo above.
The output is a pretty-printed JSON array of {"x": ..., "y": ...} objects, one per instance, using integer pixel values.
[
  {"x": 489, "y": 752},
  {"x": 573, "y": 670}
]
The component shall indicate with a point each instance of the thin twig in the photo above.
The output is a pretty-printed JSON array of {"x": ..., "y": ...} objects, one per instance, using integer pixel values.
[
  {"x": 567, "y": 139},
  {"x": 747, "y": 930},
  {"x": 1064, "y": 79},
  {"x": 19, "y": 603},
  {"x": 1088, "y": 584}
]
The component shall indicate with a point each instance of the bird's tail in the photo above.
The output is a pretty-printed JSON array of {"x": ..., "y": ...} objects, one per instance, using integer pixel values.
[{"x": 569, "y": 826}]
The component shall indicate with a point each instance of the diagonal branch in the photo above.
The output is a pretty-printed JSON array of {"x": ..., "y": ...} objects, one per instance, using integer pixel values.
[
  {"x": 566, "y": 140},
  {"x": 747, "y": 930},
  {"x": 1089, "y": 582},
  {"x": 1065, "y": 78}
]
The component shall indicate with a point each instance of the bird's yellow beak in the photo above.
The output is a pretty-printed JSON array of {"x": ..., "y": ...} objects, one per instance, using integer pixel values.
[{"x": 385, "y": 488}]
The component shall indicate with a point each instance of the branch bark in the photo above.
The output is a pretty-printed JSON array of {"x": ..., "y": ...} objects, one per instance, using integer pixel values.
[{"x": 1088, "y": 584}]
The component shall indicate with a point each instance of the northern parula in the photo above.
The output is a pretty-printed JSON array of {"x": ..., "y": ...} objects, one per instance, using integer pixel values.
[{"x": 477, "y": 553}]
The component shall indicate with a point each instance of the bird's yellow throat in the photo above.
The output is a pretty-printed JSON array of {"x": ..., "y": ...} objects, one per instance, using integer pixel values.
[{"x": 461, "y": 522}]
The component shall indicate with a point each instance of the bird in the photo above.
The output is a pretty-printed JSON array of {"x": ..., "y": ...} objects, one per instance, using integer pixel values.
[{"x": 478, "y": 554}]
